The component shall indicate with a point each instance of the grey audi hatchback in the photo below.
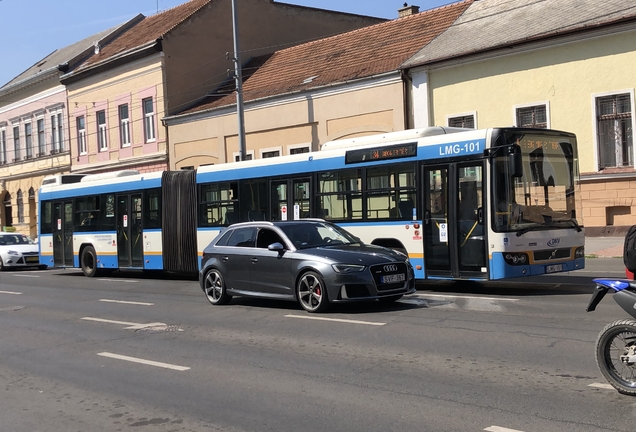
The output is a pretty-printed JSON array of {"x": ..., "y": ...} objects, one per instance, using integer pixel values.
[{"x": 309, "y": 260}]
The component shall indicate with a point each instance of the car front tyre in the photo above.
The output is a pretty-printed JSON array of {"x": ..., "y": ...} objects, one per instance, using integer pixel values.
[
  {"x": 88, "y": 261},
  {"x": 2, "y": 267},
  {"x": 312, "y": 293},
  {"x": 215, "y": 289}
]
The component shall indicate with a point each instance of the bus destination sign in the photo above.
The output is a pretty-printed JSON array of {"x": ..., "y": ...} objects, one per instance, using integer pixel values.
[{"x": 381, "y": 153}]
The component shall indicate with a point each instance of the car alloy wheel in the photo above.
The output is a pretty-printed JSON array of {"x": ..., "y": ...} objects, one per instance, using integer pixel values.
[
  {"x": 214, "y": 288},
  {"x": 311, "y": 291}
]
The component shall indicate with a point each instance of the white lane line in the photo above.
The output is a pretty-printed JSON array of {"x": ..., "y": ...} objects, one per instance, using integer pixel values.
[
  {"x": 117, "y": 280},
  {"x": 142, "y": 361},
  {"x": 601, "y": 385},
  {"x": 126, "y": 302},
  {"x": 336, "y": 320},
  {"x": 21, "y": 275},
  {"x": 130, "y": 325},
  {"x": 10, "y": 292},
  {"x": 424, "y": 295},
  {"x": 500, "y": 429}
]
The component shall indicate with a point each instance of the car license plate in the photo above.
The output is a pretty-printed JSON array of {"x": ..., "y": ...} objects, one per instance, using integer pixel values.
[
  {"x": 31, "y": 259},
  {"x": 393, "y": 278},
  {"x": 554, "y": 268}
]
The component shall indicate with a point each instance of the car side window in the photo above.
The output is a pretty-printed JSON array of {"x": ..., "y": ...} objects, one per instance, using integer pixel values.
[
  {"x": 266, "y": 237},
  {"x": 224, "y": 238},
  {"x": 242, "y": 237}
]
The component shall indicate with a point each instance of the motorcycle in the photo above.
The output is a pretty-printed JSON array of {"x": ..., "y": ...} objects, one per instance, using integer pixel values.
[{"x": 616, "y": 343}]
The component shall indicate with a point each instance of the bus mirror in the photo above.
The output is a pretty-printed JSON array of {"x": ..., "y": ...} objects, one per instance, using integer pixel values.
[{"x": 515, "y": 160}]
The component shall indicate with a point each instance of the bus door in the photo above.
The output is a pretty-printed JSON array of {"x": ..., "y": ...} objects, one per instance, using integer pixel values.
[
  {"x": 454, "y": 235},
  {"x": 290, "y": 199},
  {"x": 129, "y": 231},
  {"x": 63, "y": 234}
]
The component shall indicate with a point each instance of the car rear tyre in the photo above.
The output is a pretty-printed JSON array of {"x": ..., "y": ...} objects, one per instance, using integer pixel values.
[
  {"x": 215, "y": 289},
  {"x": 312, "y": 293},
  {"x": 88, "y": 261},
  {"x": 43, "y": 267}
]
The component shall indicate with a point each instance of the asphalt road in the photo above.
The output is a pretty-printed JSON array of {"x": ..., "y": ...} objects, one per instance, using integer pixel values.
[{"x": 149, "y": 353}]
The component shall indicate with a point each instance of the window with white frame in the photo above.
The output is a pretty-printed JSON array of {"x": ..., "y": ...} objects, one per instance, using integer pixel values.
[
  {"x": 298, "y": 150},
  {"x": 532, "y": 116},
  {"x": 462, "y": 121},
  {"x": 102, "y": 142},
  {"x": 124, "y": 125},
  {"x": 57, "y": 133},
  {"x": 614, "y": 119},
  {"x": 270, "y": 154},
  {"x": 41, "y": 137},
  {"x": 149, "y": 119},
  {"x": 28, "y": 140},
  {"x": 80, "y": 122},
  {"x": 3, "y": 146},
  {"x": 249, "y": 155},
  {"x": 16, "y": 143}
]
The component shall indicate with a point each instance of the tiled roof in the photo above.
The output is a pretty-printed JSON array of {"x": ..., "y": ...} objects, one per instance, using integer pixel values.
[
  {"x": 489, "y": 24},
  {"x": 149, "y": 29},
  {"x": 361, "y": 53},
  {"x": 72, "y": 53}
]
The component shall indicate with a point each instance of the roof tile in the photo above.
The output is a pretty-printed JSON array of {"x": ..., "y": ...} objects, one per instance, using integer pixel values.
[{"x": 361, "y": 53}]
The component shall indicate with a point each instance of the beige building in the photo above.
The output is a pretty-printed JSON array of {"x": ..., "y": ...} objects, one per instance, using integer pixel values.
[
  {"x": 556, "y": 64},
  {"x": 166, "y": 63},
  {"x": 338, "y": 87}
]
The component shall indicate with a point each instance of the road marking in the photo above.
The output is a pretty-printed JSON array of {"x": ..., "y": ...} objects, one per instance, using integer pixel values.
[
  {"x": 130, "y": 325},
  {"x": 10, "y": 292},
  {"x": 424, "y": 295},
  {"x": 142, "y": 361},
  {"x": 500, "y": 429},
  {"x": 118, "y": 280},
  {"x": 20, "y": 275},
  {"x": 336, "y": 320},
  {"x": 126, "y": 302},
  {"x": 601, "y": 385}
]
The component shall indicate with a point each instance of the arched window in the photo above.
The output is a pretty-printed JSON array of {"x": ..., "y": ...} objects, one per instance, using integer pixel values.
[{"x": 20, "y": 207}]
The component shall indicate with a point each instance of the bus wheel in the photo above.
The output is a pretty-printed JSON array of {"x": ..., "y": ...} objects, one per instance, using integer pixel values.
[{"x": 88, "y": 261}]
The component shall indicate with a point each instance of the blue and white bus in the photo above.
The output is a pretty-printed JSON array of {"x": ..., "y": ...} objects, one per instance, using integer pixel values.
[{"x": 461, "y": 203}]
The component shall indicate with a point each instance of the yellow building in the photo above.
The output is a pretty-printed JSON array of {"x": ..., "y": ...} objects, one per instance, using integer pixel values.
[{"x": 556, "y": 64}]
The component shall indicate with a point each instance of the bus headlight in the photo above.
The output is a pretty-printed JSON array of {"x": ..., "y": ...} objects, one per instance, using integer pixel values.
[
  {"x": 516, "y": 258},
  {"x": 580, "y": 252}
]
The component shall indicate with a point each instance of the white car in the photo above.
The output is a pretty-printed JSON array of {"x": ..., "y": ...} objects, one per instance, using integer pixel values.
[{"x": 18, "y": 250}]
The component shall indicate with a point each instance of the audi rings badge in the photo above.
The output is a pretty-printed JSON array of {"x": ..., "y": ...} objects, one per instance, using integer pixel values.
[{"x": 390, "y": 268}]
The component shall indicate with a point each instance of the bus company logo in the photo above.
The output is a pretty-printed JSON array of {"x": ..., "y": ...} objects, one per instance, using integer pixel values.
[{"x": 553, "y": 242}]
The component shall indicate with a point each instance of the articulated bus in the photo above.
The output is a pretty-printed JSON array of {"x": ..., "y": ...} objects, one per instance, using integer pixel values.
[{"x": 461, "y": 203}]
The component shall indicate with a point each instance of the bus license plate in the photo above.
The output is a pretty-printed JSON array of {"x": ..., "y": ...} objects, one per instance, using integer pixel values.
[
  {"x": 393, "y": 278},
  {"x": 32, "y": 259},
  {"x": 554, "y": 268}
]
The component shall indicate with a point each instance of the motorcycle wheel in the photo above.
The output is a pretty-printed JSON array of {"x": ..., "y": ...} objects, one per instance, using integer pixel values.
[{"x": 615, "y": 340}]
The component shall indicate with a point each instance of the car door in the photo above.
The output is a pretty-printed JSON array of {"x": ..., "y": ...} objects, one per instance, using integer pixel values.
[
  {"x": 270, "y": 271},
  {"x": 234, "y": 258}
]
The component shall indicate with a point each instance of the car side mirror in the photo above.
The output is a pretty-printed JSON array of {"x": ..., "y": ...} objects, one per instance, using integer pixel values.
[{"x": 276, "y": 247}]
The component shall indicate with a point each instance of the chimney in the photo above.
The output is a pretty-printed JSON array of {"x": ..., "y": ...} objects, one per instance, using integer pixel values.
[{"x": 408, "y": 10}]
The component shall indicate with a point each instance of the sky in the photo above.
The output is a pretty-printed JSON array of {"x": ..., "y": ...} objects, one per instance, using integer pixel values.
[{"x": 32, "y": 29}]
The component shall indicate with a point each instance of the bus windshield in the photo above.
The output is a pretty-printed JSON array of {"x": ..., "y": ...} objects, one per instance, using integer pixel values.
[{"x": 547, "y": 194}]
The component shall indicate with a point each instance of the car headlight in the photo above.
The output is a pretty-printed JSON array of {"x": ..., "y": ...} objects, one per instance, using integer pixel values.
[
  {"x": 11, "y": 252},
  {"x": 347, "y": 268}
]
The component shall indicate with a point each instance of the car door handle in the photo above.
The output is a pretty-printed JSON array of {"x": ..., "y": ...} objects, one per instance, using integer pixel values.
[
  {"x": 254, "y": 260},
  {"x": 226, "y": 258}
]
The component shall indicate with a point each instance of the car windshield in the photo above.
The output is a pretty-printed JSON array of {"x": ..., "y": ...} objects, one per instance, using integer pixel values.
[
  {"x": 14, "y": 239},
  {"x": 311, "y": 235}
]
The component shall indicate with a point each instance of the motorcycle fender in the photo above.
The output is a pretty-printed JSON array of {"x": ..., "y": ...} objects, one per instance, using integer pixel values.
[
  {"x": 597, "y": 296},
  {"x": 627, "y": 300}
]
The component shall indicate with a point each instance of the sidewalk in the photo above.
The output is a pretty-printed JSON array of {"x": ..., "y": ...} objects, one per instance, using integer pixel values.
[{"x": 604, "y": 247}]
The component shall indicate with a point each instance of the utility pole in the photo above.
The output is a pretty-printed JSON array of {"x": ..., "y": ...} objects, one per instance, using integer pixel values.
[{"x": 238, "y": 76}]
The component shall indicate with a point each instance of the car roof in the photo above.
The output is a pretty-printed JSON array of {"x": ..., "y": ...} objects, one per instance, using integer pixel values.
[{"x": 277, "y": 223}]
